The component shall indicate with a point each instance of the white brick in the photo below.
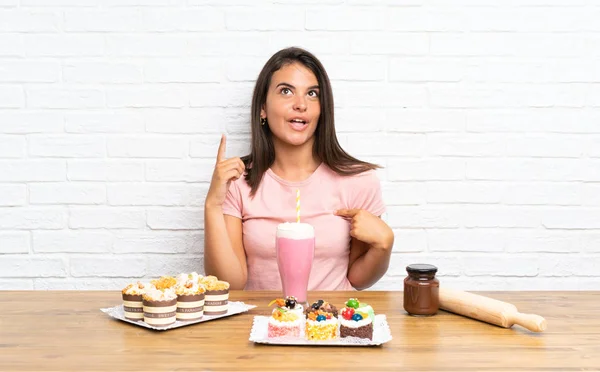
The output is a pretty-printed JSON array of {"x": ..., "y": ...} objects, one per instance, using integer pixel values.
[
  {"x": 32, "y": 267},
  {"x": 158, "y": 242},
  {"x": 72, "y": 241},
  {"x": 319, "y": 43},
  {"x": 106, "y": 218},
  {"x": 424, "y": 19},
  {"x": 221, "y": 95},
  {"x": 180, "y": 170},
  {"x": 410, "y": 241},
  {"x": 500, "y": 266},
  {"x": 122, "y": 3},
  {"x": 547, "y": 146},
  {"x": 465, "y": 192},
  {"x": 590, "y": 194},
  {"x": 593, "y": 149},
  {"x": 29, "y": 72},
  {"x": 104, "y": 122},
  {"x": 103, "y": 20},
  {"x": 24, "y": 122},
  {"x": 11, "y": 45},
  {"x": 147, "y": 96},
  {"x": 12, "y": 146},
  {"x": 403, "y": 193},
  {"x": 572, "y": 218},
  {"x": 16, "y": 285},
  {"x": 244, "y": 69},
  {"x": 447, "y": 266},
  {"x": 9, "y": 3},
  {"x": 547, "y": 193},
  {"x": 228, "y": 2},
  {"x": 423, "y": 217},
  {"x": 207, "y": 146},
  {"x": 158, "y": 266},
  {"x": 543, "y": 241},
  {"x": 17, "y": 20},
  {"x": 105, "y": 170},
  {"x": 388, "y": 43},
  {"x": 424, "y": 120},
  {"x": 356, "y": 68},
  {"x": 427, "y": 69},
  {"x": 469, "y": 240},
  {"x": 64, "y": 45},
  {"x": 14, "y": 242},
  {"x": 146, "y": 45},
  {"x": 101, "y": 72},
  {"x": 393, "y": 144},
  {"x": 562, "y": 265},
  {"x": 82, "y": 284},
  {"x": 526, "y": 169},
  {"x": 501, "y": 216},
  {"x": 465, "y": 144},
  {"x": 57, "y": 98},
  {"x": 13, "y": 195},
  {"x": 590, "y": 241},
  {"x": 57, "y": 3},
  {"x": 11, "y": 96},
  {"x": 67, "y": 193},
  {"x": 186, "y": 121},
  {"x": 147, "y": 147},
  {"x": 508, "y": 44},
  {"x": 183, "y": 71},
  {"x": 264, "y": 19},
  {"x": 383, "y": 95},
  {"x": 230, "y": 43},
  {"x": 32, "y": 170},
  {"x": 28, "y": 218},
  {"x": 237, "y": 122},
  {"x": 175, "y": 218},
  {"x": 70, "y": 146},
  {"x": 513, "y": 19},
  {"x": 426, "y": 170},
  {"x": 157, "y": 194},
  {"x": 359, "y": 120},
  {"x": 345, "y": 19},
  {"x": 187, "y": 19},
  {"x": 133, "y": 267}
]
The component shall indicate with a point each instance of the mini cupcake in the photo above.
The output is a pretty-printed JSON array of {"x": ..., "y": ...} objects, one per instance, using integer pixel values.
[
  {"x": 165, "y": 282},
  {"x": 132, "y": 300},
  {"x": 190, "y": 300},
  {"x": 160, "y": 307},
  {"x": 356, "y": 320},
  {"x": 285, "y": 319},
  {"x": 321, "y": 321},
  {"x": 216, "y": 301}
]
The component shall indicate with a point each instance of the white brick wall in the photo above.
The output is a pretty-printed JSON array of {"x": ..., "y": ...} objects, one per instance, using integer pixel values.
[{"x": 485, "y": 114}]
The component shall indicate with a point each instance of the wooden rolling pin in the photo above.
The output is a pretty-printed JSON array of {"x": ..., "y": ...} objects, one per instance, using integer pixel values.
[{"x": 488, "y": 310}]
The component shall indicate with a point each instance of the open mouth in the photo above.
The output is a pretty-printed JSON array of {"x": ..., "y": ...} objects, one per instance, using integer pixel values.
[{"x": 298, "y": 124}]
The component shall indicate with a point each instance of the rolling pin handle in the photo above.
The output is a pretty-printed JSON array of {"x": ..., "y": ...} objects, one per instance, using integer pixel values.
[{"x": 532, "y": 322}]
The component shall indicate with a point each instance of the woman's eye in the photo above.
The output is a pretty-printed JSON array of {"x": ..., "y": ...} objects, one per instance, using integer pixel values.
[
  {"x": 313, "y": 93},
  {"x": 286, "y": 91}
]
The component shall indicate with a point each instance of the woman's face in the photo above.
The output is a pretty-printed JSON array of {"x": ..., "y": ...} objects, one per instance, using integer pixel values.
[{"x": 292, "y": 107}]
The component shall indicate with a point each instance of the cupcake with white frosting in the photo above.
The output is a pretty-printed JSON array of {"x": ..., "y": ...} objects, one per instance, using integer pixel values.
[
  {"x": 216, "y": 300},
  {"x": 132, "y": 300},
  {"x": 190, "y": 300},
  {"x": 160, "y": 307}
]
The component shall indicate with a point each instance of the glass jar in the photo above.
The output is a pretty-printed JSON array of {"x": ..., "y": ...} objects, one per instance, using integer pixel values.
[{"x": 421, "y": 290}]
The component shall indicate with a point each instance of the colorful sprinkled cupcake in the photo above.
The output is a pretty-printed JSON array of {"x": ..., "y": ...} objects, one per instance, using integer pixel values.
[
  {"x": 132, "y": 300},
  {"x": 285, "y": 319},
  {"x": 321, "y": 321},
  {"x": 160, "y": 307},
  {"x": 356, "y": 320}
]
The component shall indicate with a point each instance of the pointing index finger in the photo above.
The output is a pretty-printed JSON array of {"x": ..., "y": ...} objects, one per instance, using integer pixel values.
[{"x": 221, "y": 151}]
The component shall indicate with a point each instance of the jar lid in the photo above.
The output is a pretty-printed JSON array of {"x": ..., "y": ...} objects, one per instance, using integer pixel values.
[{"x": 421, "y": 269}]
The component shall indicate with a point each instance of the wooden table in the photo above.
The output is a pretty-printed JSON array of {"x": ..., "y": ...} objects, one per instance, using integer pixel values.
[{"x": 51, "y": 330}]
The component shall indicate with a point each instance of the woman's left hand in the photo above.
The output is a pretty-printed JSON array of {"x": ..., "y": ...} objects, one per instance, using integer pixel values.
[{"x": 368, "y": 228}]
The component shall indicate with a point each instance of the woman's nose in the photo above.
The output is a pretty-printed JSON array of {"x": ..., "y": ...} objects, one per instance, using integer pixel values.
[{"x": 300, "y": 104}]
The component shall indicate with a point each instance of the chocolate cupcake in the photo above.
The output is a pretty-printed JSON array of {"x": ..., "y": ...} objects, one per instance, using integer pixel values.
[
  {"x": 160, "y": 307},
  {"x": 190, "y": 301},
  {"x": 132, "y": 300},
  {"x": 216, "y": 301}
]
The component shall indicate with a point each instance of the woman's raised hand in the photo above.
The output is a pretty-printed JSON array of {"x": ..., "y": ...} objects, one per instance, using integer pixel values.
[{"x": 226, "y": 170}]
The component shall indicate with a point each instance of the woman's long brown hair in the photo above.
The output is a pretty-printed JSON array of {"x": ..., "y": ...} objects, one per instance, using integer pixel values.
[{"x": 326, "y": 147}]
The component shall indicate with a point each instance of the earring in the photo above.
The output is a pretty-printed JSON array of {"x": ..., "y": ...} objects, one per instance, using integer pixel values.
[{"x": 263, "y": 121}]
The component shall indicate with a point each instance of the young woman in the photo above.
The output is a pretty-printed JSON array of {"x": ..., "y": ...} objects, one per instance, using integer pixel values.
[{"x": 294, "y": 146}]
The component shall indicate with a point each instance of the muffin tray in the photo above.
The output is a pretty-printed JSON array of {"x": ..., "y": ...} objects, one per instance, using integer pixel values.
[
  {"x": 234, "y": 308},
  {"x": 381, "y": 335}
]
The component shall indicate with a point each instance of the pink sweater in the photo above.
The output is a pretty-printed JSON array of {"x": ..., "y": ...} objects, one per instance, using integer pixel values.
[{"x": 320, "y": 195}]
